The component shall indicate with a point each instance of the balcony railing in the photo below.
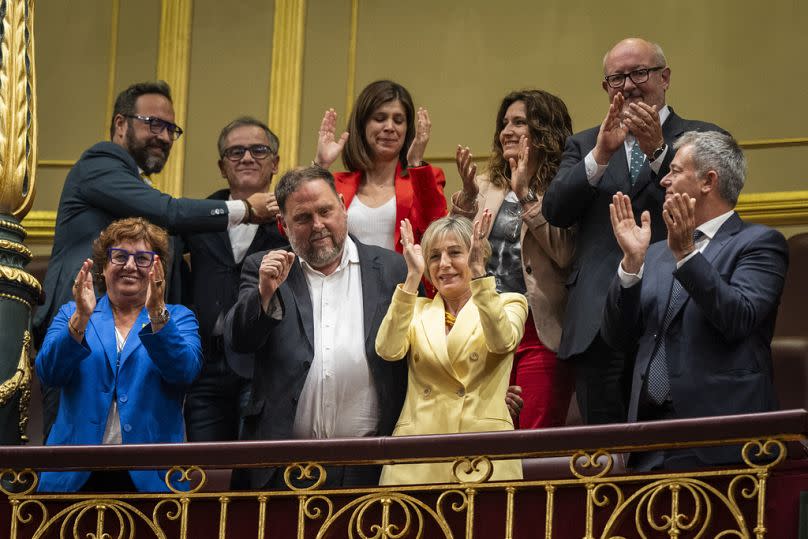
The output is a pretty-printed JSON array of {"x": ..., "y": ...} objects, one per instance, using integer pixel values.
[{"x": 574, "y": 486}]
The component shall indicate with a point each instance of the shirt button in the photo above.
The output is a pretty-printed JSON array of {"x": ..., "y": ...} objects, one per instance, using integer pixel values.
[
  {"x": 123, "y": 398},
  {"x": 461, "y": 392},
  {"x": 528, "y": 270},
  {"x": 474, "y": 356},
  {"x": 427, "y": 391},
  {"x": 127, "y": 428}
]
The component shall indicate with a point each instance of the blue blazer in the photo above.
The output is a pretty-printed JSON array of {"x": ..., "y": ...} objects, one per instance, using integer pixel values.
[
  {"x": 149, "y": 384},
  {"x": 718, "y": 344}
]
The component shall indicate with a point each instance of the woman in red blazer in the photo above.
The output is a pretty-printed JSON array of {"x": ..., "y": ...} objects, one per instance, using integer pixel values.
[{"x": 387, "y": 179}]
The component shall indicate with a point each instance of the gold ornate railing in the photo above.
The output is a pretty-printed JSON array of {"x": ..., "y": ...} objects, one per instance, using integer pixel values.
[{"x": 588, "y": 496}]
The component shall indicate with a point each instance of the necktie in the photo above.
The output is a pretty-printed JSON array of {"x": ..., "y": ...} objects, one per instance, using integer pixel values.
[
  {"x": 637, "y": 159},
  {"x": 658, "y": 380}
]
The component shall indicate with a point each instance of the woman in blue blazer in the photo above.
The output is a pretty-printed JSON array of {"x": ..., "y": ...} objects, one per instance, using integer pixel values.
[{"x": 122, "y": 362}]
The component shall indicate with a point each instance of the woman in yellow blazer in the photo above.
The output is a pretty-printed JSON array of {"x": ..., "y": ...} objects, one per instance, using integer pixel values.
[{"x": 459, "y": 345}]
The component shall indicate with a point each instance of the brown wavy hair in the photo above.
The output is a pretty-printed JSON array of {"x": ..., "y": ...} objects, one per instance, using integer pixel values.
[
  {"x": 357, "y": 155},
  {"x": 550, "y": 125},
  {"x": 131, "y": 229}
]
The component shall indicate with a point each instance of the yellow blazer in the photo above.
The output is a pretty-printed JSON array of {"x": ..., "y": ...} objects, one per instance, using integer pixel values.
[{"x": 456, "y": 382}]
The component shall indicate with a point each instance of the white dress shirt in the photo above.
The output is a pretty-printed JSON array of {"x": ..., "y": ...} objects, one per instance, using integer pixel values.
[
  {"x": 594, "y": 171},
  {"x": 339, "y": 397},
  {"x": 241, "y": 236}
]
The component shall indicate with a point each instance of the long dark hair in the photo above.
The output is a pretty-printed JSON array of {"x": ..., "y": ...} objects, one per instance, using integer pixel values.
[
  {"x": 550, "y": 125},
  {"x": 357, "y": 155}
]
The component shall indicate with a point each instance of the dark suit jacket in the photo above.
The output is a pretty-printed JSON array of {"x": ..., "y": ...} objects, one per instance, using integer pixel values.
[
  {"x": 718, "y": 343},
  {"x": 104, "y": 185},
  {"x": 571, "y": 199},
  {"x": 214, "y": 278},
  {"x": 285, "y": 348}
]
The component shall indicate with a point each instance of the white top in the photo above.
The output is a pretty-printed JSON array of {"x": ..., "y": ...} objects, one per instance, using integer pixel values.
[
  {"x": 112, "y": 431},
  {"x": 241, "y": 236},
  {"x": 373, "y": 226},
  {"x": 339, "y": 397}
]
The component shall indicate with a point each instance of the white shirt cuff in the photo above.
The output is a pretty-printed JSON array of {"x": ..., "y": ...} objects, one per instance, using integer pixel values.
[
  {"x": 627, "y": 280},
  {"x": 235, "y": 212},
  {"x": 594, "y": 171}
]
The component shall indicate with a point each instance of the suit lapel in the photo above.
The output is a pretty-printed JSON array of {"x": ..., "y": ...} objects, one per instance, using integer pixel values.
[
  {"x": 302, "y": 298},
  {"x": 133, "y": 341},
  {"x": 616, "y": 176},
  {"x": 434, "y": 327},
  {"x": 464, "y": 331},
  {"x": 370, "y": 271},
  {"x": 103, "y": 325}
]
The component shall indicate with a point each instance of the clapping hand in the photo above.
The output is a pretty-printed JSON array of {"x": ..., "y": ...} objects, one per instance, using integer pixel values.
[
  {"x": 328, "y": 145},
  {"x": 413, "y": 256},
  {"x": 612, "y": 131},
  {"x": 679, "y": 214},
  {"x": 467, "y": 169},
  {"x": 633, "y": 239},
  {"x": 478, "y": 235},
  {"x": 83, "y": 292},
  {"x": 423, "y": 128},
  {"x": 643, "y": 122},
  {"x": 520, "y": 179}
]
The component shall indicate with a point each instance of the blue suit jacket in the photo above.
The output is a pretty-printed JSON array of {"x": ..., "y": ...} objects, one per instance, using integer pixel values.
[
  {"x": 718, "y": 342},
  {"x": 149, "y": 384}
]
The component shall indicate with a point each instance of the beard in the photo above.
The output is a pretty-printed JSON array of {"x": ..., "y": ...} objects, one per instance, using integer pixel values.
[
  {"x": 148, "y": 162},
  {"x": 318, "y": 257}
]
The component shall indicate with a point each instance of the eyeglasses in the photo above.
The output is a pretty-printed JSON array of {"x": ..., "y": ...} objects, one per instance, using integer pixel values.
[
  {"x": 119, "y": 257},
  {"x": 638, "y": 76},
  {"x": 156, "y": 125},
  {"x": 258, "y": 151}
]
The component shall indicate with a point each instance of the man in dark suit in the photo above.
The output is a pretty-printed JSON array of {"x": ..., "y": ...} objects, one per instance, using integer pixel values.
[
  {"x": 699, "y": 308},
  {"x": 311, "y": 317},
  {"x": 248, "y": 159},
  {"x": 628, "y": 152},
  {"x": 110, "y": 182}
]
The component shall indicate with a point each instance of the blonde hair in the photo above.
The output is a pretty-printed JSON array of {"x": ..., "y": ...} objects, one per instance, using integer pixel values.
[{"x": 460, "y": 227}]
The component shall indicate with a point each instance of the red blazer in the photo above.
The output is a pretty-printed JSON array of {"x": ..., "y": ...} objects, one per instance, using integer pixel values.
[{"x": 419, "y": 196}]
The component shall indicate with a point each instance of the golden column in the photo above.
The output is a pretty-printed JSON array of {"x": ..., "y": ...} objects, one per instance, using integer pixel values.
[{"x": 19, "y": 291}]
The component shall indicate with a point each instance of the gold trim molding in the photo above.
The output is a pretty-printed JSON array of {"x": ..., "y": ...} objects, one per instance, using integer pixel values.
[
  {"x": 352, "y": 41},
  {"x": 18, "y": 124},
  {"x": 173, "y": 65},
  {"x": 775, "y": 208},
  {"x": 112, "y": 65},
  {"x": 286, "y": 78}
]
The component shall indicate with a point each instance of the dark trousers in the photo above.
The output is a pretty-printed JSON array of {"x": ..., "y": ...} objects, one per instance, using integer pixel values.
[
  {"x": 214, "y": 402},
  {"x": 601, "y": 384}
]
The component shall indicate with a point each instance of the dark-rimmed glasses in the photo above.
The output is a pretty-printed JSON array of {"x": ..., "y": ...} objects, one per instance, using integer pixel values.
[
  {"x": 637, "y": 76},
  {"x": 156, "y": 125},
  {"x": 257, "y": 151},
  {"x": 119, "y": 257}
]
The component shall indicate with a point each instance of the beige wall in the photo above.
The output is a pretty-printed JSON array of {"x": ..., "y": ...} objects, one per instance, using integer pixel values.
[{"x": 737, "y": 63}]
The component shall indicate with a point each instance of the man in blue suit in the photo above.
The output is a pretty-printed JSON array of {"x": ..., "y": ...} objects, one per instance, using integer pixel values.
[{"x": 700, "y": 307}]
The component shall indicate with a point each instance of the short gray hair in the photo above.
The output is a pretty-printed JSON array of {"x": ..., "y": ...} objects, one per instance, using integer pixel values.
[
  {"x": 294, "y": 178},
  {"x": 713, "y": 150}
]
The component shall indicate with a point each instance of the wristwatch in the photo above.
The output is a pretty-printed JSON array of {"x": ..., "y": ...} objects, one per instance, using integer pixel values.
[
  {"x": 529, "y": 197},
  {"x": 161, "y": 318},
  {"x": 659, "y": 151}
]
